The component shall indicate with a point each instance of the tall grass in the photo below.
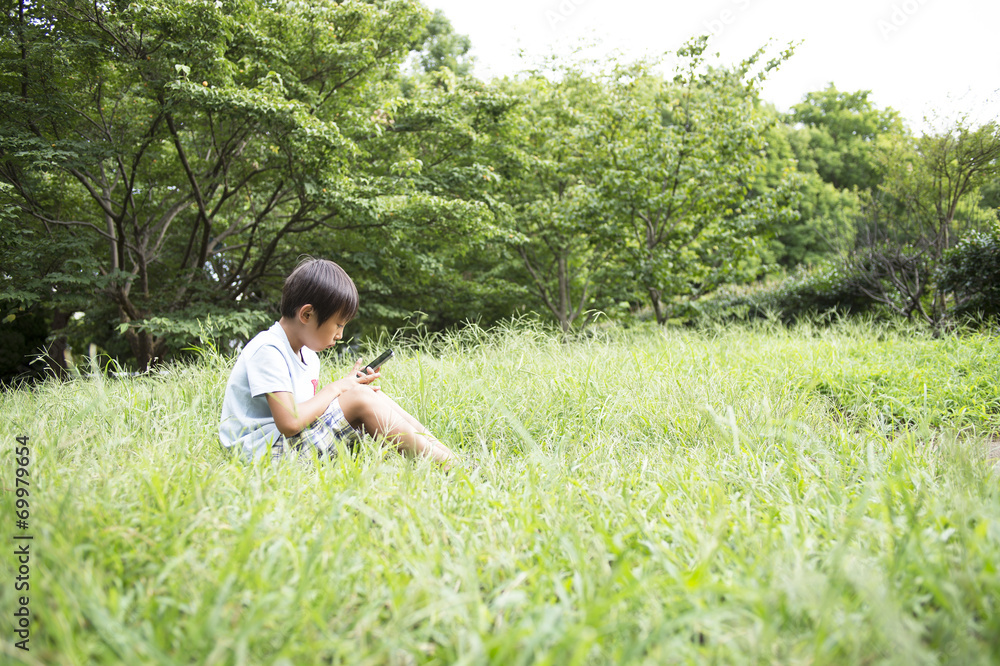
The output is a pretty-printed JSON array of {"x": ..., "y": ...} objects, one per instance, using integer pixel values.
[{"x": 737, "y": 496}]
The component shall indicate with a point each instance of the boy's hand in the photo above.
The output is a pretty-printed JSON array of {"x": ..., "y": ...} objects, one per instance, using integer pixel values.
[
  {"x": 291, "y": 418},
  {"x": 357, "y": 377}
]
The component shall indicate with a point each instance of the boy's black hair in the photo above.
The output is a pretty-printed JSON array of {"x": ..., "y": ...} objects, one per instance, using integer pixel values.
[{"x": 322, "y": 284}]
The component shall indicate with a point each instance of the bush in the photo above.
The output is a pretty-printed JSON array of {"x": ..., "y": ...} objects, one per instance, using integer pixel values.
[
  {"x": 805, "y": 293},
  {"x": 971, "y": 273}
]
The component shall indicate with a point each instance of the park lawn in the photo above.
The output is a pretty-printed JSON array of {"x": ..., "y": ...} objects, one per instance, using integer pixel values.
[{"x": 744, "y": 495}]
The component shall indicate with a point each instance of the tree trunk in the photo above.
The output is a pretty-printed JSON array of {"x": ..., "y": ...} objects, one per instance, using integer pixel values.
[
  {"x": 55, "y": 354},
  {"x": 146, "y": 348},
  {"x": 654, "y": 298}
]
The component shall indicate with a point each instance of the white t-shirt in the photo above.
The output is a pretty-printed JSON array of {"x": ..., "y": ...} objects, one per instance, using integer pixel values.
[{"x": 266, "y": 365}]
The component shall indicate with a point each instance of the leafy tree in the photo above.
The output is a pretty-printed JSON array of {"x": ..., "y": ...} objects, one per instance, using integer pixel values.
[
  {"x": 929, "y": 198},
  {"x": 931, "y": 177},
  {"x": 442, "y": 47},
  {"x": 194, "y": 148},
  {"x": 438, "y": 217},
  {"x": 548, "y": 180},
  {"x": 835, "y": 135},
  {"x": 831, "y": 137},
  {"x": 681, "y": 160},
  {"x": 825, "y": 215}
]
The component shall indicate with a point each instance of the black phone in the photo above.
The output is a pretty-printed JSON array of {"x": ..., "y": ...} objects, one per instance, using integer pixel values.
[{"x": 382, "y": 358}]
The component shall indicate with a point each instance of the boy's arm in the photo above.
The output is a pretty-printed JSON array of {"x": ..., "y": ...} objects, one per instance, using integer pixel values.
[{"x": 292, "y": 417}]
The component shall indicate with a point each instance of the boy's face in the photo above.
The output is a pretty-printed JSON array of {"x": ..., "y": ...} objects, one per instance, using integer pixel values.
[{"x": 320, "y": 337}]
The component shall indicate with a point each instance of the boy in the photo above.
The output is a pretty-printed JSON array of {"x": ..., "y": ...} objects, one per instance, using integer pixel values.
[{"x": 273, "y": 401}]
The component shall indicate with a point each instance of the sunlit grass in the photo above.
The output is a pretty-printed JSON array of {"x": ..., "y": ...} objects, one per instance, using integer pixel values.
[{"x": 749, "y": 495}]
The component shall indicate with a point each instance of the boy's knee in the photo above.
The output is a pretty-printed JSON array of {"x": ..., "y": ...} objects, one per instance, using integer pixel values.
[{"x": 357, "y": 402}]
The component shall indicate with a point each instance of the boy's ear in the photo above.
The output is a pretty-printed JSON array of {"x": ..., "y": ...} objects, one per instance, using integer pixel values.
[{"x": 306, "y": 313}]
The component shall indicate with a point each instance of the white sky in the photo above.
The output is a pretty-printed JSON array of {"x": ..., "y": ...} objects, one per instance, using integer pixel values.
[{"x": 921, "y": 57}]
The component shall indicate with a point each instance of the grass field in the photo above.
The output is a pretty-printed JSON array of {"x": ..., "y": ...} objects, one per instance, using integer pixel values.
[{"x": 749, "y": 495}]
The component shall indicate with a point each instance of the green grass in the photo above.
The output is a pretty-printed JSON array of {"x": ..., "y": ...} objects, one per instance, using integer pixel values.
[{"x": 752, "y": 495}]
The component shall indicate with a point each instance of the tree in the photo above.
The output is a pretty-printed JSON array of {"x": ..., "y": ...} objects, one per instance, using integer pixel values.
[
  {"x": 548, "y": 181},
  {"x": 927, "y": 200},
  {"x": 825, "y": 215},
  {"x": 432, "y": 178},
  {"x": 970, "y": 275},
  {"x": 681, "y": 159},
  {"x": 442, "y": 47},
  {"x": 194, "y": 148},
  {"x": 835, "y": 135}
]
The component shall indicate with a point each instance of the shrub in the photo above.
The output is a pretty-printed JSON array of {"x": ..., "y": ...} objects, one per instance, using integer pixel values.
[
  {"x": 970, "y": 272},
  {"x": 805, "y": 293}
]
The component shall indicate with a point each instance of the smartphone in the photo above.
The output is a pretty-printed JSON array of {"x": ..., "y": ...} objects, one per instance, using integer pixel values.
[{"x": 382, "y": 358}]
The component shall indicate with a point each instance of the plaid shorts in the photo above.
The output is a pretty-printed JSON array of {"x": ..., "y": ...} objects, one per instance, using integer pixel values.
[{"x": 321, "y": 435}]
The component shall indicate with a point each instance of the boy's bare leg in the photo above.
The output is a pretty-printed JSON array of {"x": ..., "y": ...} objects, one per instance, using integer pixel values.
[
  {"x": 380, "y": 415},
  {"x": 412, "y": 420},
  {"x": 441, "y": 452}
]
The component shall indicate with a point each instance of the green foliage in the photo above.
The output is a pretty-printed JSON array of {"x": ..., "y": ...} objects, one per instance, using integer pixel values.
[
  {"x": 437, "y": 224},
  {"x": 970, "y": 272},
  {"x": 934, "y": 180},
  {"x": 835, "y": 135},
  {"x": 823, "y": 228},
  {"x": 45, "y": 270},
  {"x": 442, "y": 47},
  {"x": 548, "y": 178},
  {"x": 626, "y": 186},
  {"x": 742, "y": 503},
  {"x": 802, "y": 295},
  {"x": 928, "y": 198},
  {"x": 990, "y": 192},
  {"x": 832, "y": 139},
  {"x": 161, "y": 162},
  {"x": 220, "y": 330},
  {"x": 681, "y": 159},
  {"x": 823, "y": 225},
  {"x": 196, "y": 148}
]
